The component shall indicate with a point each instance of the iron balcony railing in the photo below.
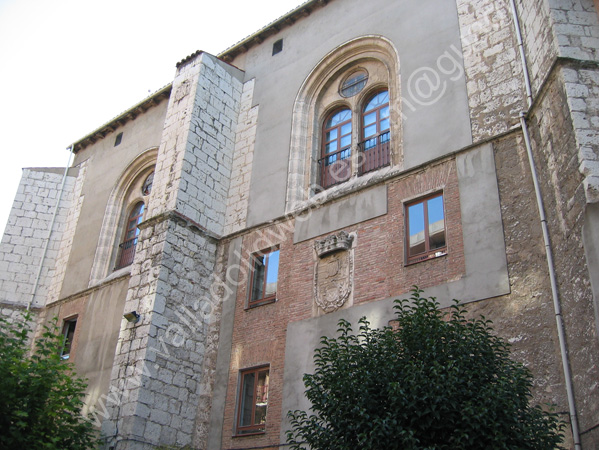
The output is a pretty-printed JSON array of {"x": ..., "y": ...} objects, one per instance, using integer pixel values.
[
  {"x": 335, "y": 167},
  {"x": 126, "y": 253},
  {"x": 374, "y": 153}
]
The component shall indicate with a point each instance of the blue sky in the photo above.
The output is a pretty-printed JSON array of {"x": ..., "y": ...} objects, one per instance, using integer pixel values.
[{"x": 68, "y": 66}]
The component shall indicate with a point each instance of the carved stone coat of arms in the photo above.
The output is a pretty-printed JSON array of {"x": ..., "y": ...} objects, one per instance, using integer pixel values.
[{"x": 333, "y": 274}]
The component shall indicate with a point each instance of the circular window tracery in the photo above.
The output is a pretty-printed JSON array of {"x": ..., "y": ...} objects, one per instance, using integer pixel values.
[
  {"x": 147, "y": 186},
  {"x": 353, "y": 83}
]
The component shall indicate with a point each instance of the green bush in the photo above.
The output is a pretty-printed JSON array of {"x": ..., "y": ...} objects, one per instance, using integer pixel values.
[
  {"x": 40, "y": 396},
  {"x": 436, "y": 381}
]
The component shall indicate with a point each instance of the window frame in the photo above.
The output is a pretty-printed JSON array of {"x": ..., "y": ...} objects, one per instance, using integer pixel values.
[
  {"x": 325, "y": 164},
  {"x": 126, "y": 254},
  {"x": 253, "y": 428},
  {"x": 254, "y": 260},
  {"x": 376, "y": 110},
  {"x": 67, "y": 345},
  {"x": 428, "y": 252}
]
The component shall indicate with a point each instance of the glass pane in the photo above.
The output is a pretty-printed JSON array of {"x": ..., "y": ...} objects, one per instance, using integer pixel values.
[
  {"x": 273, "y": 273},
  {"x": 338, "y": 118},
  {"x": 370, "y": 131},
  {"x": 369, "y": 118},
  {"x": 346, "y": 141},
  {"x": 258, "y": 279},
  {"x": 379, "y": 99},
  {"x": 354, "y": 84},
  {"x": 416, "y": 227},
  {"x": 331, "y": 147},
  {"x": 331, "y": 135},
  {"x": 247, "y": 399},
  {"x": 261, "y": 398},
  {"x": 331, "y": 159},
  {"x": 346, "y": 129},
  {"x": 384, "y": 124},
  {"x": 384, "y": 112},
  {"x": 436, "y": 223}
]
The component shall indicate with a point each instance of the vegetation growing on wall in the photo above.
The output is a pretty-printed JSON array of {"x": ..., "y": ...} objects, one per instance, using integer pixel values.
[
  {"x": 40, "y": 396},
  {"x": 435, "y": 380}
]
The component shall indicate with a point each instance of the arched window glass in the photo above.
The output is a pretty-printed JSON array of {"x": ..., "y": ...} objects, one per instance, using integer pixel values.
[
  {"x": 375, "y": 133},
  {"x": 376, "y": 115},
  {"x": 127, "y": 247},
  {"x": 335, "y": 164},
  {"x": 146, "y": 188}
]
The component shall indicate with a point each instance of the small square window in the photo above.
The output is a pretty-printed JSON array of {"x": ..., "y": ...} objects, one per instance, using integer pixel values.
[
  {"x": 277, "y": 47},
  {"x": 425, "y": 223},
  {"x": 264, "y": 277},
  {"x": 68, "y": 334},
  {"x": 118, "y": 139},
  {"x": 253, "y": 401}
]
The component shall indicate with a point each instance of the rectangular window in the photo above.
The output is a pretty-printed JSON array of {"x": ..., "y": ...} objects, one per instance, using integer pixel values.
[
  {"x": 253, "y": 400},
  {"x": 425, "y": 219},
  {"x": 265, "y": 273},
  {"x": 68, "y": 334}
]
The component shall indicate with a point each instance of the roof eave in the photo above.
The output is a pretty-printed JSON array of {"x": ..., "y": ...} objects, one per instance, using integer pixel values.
[{"x": 122, "y": 119}]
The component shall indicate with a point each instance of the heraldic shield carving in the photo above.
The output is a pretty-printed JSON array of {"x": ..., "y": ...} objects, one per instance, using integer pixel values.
[{"x": 333, "y": 274}]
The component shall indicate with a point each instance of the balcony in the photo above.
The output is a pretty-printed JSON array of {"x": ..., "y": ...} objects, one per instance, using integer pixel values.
[
  {"x": 335, "y": 167},
  {"x": 374, "y": 153},
  {"x": 126, "y": 253}
]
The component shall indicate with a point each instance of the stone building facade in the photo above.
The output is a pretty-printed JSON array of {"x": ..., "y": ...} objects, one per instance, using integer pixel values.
[{"x": 315, "y": 171}]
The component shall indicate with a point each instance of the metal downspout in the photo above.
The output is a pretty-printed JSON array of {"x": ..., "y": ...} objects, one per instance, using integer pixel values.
[
  {"x": 554, "y": 290},
  {"x": 50, "y": 229}
]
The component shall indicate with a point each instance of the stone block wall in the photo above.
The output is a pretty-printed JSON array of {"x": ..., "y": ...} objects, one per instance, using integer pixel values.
[
  {"x": 194, "y": 164},
  {"x": 164, "y": 364},
  {"x": 495, "y": 84},
  {"x": 237, "y": 202},
  {"x": 576, "y": 28},
  {"x": 556, "y": 150},
  {"x": 26, "y": 234}
]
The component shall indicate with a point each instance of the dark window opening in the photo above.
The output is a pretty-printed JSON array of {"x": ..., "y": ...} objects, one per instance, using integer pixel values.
[
  {"x": 265, "y": 274},
  {"x": 425, "y": 234},
  {"x": 253, "y": 401},
  {"x": 277, "y": 47},
  {"x": 119, "y": 138},
  {"x": 68, "y": 334}
]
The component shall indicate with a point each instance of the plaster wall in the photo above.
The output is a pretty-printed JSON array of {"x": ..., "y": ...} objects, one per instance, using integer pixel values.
[
  {"x": 434, "y": 123},
  {"x": 99, "y": 315},
  {"x": 105, "y": 164}
]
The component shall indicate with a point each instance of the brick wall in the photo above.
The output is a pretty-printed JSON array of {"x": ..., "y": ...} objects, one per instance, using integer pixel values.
[{"x": 260, "y": 333}]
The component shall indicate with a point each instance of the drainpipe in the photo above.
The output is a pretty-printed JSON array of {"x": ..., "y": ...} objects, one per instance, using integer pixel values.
[
  {"x": 551, "y": 266},
  {"x": 50, "y": 228}
]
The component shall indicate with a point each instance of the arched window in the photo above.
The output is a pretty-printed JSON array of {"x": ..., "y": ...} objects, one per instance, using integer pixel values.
[
  {"x": 347, "y": 78},
  {"x": 335, "y": 164},
  {"x": 129, "y": 241},
  {"x": 374, "y": 148}
]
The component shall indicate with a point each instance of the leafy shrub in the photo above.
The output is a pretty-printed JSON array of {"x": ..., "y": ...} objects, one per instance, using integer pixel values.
[
  {"x": 436, "y": 381},
  {"x": 40, "y": 396}
]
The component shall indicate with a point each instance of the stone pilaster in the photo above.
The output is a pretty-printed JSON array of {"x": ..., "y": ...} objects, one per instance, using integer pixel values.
[{"x": 161, "y": 363}]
